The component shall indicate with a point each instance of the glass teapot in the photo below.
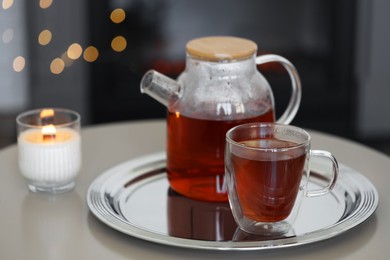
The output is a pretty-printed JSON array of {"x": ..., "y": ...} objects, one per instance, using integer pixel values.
[{"x": 219, "y": 89}]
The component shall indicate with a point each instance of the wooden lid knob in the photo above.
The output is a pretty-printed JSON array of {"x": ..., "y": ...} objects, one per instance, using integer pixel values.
[{"x": 219, "y": 48}]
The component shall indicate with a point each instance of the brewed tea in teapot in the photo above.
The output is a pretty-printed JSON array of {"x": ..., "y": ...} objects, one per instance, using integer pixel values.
[{"x": 219, "y": 89}]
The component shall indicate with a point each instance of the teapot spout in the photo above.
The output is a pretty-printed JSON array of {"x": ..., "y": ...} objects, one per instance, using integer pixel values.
[{"x": 160, "y": 87}]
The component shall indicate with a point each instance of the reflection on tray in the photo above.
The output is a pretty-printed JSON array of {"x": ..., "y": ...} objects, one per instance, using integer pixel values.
[
  {"x": 200, "y": 220},
  {"x": 134, "y": 198}
]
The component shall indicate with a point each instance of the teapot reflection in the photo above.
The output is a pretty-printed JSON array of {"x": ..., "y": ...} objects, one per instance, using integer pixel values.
[
  {"x": 209, "y": 221},
  {"x": 200, "y": 220}
]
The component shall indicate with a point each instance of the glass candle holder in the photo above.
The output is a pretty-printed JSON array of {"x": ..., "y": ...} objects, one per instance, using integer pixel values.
[{"x": 49, "y": 146}]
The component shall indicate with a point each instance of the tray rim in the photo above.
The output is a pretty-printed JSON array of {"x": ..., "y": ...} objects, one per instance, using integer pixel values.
[{"x": 108, "y": 216}]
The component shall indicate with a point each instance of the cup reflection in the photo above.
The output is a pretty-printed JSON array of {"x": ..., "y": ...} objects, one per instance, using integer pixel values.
[
  {"x": 201, "y": 220},
  {"x": 242, "y": 236}
]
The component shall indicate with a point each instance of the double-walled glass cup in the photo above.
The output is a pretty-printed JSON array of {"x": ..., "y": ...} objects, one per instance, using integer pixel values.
[{"x": 267, "y": 171}]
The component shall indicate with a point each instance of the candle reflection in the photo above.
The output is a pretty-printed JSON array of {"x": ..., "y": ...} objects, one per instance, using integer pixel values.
[{"x": 46, "y": 116}]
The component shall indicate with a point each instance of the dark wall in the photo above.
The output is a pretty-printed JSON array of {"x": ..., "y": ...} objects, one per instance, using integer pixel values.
[{"x": 316, "y": 36}]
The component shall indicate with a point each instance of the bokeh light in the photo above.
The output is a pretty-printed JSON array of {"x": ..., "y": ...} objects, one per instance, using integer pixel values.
[
  {"x": 91, "y": 54},
  {"x": 119, "y": 43},
  {"x": 45, "y": 3},
  {"x": 57, "y": 66},
  {"x": 19, "y": 63},
  {"x": 74, "y": 51},
  {"x": 44, "y": 37},
  {"x": 118, "y": 15},
  {"x": 7, "y": 4}
]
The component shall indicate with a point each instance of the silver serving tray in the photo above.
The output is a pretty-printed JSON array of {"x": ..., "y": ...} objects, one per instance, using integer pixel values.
[{"x": 134, "y": 198}]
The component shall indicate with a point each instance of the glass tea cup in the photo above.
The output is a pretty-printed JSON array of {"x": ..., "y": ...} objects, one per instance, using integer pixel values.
[{"x": 267, "y": 172}]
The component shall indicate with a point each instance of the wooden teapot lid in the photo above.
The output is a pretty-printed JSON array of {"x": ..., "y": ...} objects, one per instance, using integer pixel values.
[{"x": 219, "y": 48}]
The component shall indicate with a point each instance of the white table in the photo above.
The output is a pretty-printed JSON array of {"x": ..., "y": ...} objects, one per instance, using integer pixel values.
[{"x": 41, "y": 226}]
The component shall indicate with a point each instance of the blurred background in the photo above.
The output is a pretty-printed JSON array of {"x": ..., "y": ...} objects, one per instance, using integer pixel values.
[{"x": 90, "y": 56}]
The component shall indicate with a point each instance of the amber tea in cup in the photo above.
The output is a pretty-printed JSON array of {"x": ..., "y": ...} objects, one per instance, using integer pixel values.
[{"x": 267, "y": 171}]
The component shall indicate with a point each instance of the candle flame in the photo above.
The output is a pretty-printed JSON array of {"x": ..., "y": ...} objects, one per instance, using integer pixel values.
[{"x": 48, "y": 132}]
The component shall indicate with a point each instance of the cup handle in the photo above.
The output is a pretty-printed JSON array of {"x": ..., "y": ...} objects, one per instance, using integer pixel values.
[
  {"x": 335, "y": 173},
  {"x": 296, "y": 94}
]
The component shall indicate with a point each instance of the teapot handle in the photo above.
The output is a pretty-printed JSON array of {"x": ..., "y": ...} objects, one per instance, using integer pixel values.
[{"x": 296, "y": 94}]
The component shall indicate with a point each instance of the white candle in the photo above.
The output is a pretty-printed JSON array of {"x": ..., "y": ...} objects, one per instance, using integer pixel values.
[{"x": 50, "y": 160}]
